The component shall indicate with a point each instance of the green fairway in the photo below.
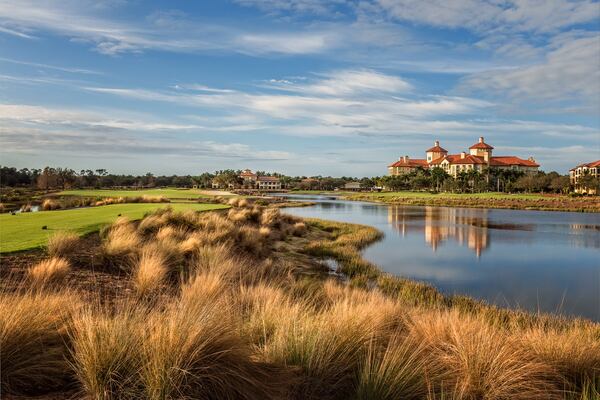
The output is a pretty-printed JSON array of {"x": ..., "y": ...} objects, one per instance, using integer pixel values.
[
  {"x": 24, "y": 231},
  {"x": 170, "y": 193},
  {"x": 484, "y": 195}
]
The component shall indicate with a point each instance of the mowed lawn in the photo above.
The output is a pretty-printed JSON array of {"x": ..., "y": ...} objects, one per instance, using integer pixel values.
[
  {"x": 24, "y": 231},
  {"x": 485, "y": 195},
  {"x": 170, "y": 193}
]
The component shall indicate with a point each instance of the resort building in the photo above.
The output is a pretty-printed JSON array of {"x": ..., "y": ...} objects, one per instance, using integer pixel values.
[
  {"x": 248, "y": 177},
  {"x": 479, "y": 157},
  {"x": 250, "y": 180},
  {"x": 268, "y": 183},
  {"x": 579, "y": 177}
]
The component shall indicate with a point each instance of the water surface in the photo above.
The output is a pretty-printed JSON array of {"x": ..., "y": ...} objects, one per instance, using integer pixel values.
[{"x": 536, "y": 260}]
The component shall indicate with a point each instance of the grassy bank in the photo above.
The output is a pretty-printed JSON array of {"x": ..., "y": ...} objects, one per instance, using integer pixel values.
[
  {"x": 25, "y": 230},
  {"x": 237, "y": 305},
  {"x": 485, "y": 200},
  {"x": 170, "y": 193}
]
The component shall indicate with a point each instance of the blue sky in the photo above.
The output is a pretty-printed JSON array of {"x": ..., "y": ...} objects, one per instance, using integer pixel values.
[{"x": 303, "y": 87}]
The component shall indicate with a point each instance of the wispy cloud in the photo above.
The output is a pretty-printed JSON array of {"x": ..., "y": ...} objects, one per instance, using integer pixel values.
[
  {"x": 570, "y": 71},
  {"x": 168, "y": 32},
  {"x": 52, "y": 67}
]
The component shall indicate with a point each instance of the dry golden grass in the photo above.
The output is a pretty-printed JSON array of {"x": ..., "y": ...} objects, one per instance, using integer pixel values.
[
  {"x": 481, "y": 361},
  {"x": 62, "y": 244},
  {"x": 398, "y": 370},
  {"x": 32, "y": 341},
  {"x": 193, "y": 350},
  {"x": 105, "y": 350},
  {"x": 121, "y": 243},
  {"x": 237, "y": 321},
  {"x": 48, "y": 273},
  {"x": 50, "y": 204},
  {"x": 150, "y": 271},
  {"x": 574, "y": 353}
]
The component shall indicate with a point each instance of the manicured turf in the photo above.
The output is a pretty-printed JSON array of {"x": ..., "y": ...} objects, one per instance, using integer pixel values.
[
  {"x": 171, "y": 193},
  {"x": 486, "y": 195},
  {"x": 24, "y": 231}
]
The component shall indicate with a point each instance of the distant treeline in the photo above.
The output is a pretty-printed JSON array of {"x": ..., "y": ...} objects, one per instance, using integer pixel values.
[
  {"x": 435, "y": 179},
  {"x": 51, "y": 178}
]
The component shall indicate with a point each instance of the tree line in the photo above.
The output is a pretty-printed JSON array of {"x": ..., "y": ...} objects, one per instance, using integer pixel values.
[{"x": 436, "y": 180}]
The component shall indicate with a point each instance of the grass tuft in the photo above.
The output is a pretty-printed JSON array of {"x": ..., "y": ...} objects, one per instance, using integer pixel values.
[
  {"x": 62, "y": 244},
  {"x": 32, "y": 341},
  {"x": 48, "y": 273}
]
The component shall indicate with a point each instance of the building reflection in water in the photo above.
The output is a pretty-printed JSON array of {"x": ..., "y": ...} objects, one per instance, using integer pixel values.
[{"x": 466, "y": 226}]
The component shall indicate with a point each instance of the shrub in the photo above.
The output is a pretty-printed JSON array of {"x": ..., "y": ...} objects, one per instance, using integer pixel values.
[
  {"x": 32, "y": 341},
  {"x": 48, "y": 272},
  {"x": 50, "y": 204},
  {"x": 62, "y": 244},
  {"x": 299, "y": 229}
]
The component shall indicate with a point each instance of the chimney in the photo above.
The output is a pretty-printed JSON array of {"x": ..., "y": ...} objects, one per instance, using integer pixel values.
[
  {"x": 437, "y": 143},
  {"x": 405, "y": 158},
  {"x": 480, "y": 139},
  {"x": 463, "y": 154}
]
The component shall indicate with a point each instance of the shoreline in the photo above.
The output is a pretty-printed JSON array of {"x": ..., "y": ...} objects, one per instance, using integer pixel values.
[
  {"x": 367, "y": 275},
  {"x": 589, "y": 204}
]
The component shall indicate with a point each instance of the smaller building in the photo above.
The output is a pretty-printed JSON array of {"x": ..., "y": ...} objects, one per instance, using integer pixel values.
[
  {"x": 352, "y": 186},
  {"x": 584, "y": 177},
  {"x": 268, "y": 183}
]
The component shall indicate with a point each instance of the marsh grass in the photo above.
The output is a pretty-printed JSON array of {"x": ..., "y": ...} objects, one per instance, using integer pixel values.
[
  {"x": 398, "y": 370},
  {"x": 150, "y": 272},
  {"x": 32, "y": 341},
  {"x": 480, "y": 361},
  {"x": 217, "y": 313},
  {"x": 105, "y": 350},
  {"x": 48, "y": 272},
  {"x": 50, "y": 204},
  {"x": 62, "y": 244}
]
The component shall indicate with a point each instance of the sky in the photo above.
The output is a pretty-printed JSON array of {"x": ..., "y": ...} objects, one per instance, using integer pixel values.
[{"x": 301, "y": 87}]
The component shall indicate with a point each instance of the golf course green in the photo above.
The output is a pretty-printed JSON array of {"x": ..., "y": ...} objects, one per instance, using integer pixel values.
[{"x": 24, "y": 231}]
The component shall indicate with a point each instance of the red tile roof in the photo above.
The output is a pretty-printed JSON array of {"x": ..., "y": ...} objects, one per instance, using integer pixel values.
[
  {"x": 411, "y": 162},
  {"x": 437, "y": 149},
  {"x": 481, "y": 145},
  {"x": 268, "y": 178},
  {"x": 247, "y": 174},
  {"x": 512, "y": 160},
  {"x": 457, "y": 159},
  {"x": 592, "y": 164}
]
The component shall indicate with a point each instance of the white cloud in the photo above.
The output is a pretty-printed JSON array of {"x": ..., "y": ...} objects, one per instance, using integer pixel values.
[
  {"x": 170, "y": 32},
  {"x": 347, "y": 82},
  {"x": 52, "y": 67},
  {"x": 570, "y": 71},
  {"x": 485, "y": 15}
]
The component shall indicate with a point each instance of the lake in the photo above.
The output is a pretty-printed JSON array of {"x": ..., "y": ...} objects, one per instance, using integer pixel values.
[{"x": 535, "y": 260}]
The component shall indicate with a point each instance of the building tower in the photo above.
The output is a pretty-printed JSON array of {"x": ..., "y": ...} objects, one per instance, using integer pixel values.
[
  {"x": 435, "y": 152},
  {"x": 482, "y": 149}
]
